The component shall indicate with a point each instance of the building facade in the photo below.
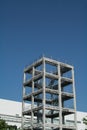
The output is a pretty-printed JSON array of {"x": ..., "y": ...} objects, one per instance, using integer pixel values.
[{"x": 10, "y": 111}]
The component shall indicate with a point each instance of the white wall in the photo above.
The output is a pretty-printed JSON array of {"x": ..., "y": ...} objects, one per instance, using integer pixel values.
[
  {"x": 9, "y": 107},
  {"x": 80, "y": 116}
]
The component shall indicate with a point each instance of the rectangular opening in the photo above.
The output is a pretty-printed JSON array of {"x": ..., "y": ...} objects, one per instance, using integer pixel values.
[
  {"x": 52, "y": 117},
  {"x": 28, "y": 76},
  {"x": 38, "y": 99},
  {"x": 27, "y": 105},
  {"x": 38, "y": 84},
  {"x": 51, "y": 83},
  {"x": 39, "y": 116},
  {"x": 69, "y": 120},
  {"x": 28, "y": 90},
  {"x": 67, "y": 88},
  {"x": 56, "y": 120},
  {"x": 39, "y": 67},
  {"x": 68, "y": 104},
  {"x": 52, "y": 99},
  {"x": 66, "y": 72},
  {"x": 51, "y": 69},
  {"x": 27, "y": 121}
]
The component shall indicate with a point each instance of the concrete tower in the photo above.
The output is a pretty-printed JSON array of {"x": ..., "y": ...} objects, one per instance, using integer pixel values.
[{"x": 48, "y": 96}]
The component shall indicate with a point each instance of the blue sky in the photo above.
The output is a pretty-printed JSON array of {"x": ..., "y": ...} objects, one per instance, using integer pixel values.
[{"x": 29, "y": 29}]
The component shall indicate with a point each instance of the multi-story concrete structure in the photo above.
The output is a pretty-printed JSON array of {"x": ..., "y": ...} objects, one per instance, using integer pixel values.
[
  {"x": 50, "y": 89},
  {"x": 10, "y": 111}
]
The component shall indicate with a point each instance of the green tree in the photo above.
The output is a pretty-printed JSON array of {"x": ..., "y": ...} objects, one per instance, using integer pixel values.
[
  {"x": 85, "y": 121},
  {"x": 10, "y": 127},
  {"x": 5, "y": 126}
]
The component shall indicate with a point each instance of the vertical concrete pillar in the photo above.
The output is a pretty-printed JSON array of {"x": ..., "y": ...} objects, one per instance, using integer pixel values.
[
  {"x": 32, "y": 105},
  {"x": 60, "y": 100},
  {"x": 75, "y": 114},
  {"x": 23, "y": 104},
  {"x": 43, "y": 93}
]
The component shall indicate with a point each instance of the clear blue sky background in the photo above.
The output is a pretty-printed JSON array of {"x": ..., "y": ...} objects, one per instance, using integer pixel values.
[{"x": 29, "y": 29}]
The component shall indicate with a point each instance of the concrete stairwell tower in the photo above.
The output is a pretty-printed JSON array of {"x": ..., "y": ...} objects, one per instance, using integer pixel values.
[{"x": 48, "y": 96}]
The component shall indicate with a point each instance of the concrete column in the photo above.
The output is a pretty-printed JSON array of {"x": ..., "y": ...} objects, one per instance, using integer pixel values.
[
  {"x": 23, "y": 82},
  {"x": 52, "y": 111},
  {"x": 60, "y": 100},
  {"x": 43, "y": 93},
  {"x": 73, "y": 85},
  {"x": 23, "y": 93},
  {"x": 32, "y": 104}
]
